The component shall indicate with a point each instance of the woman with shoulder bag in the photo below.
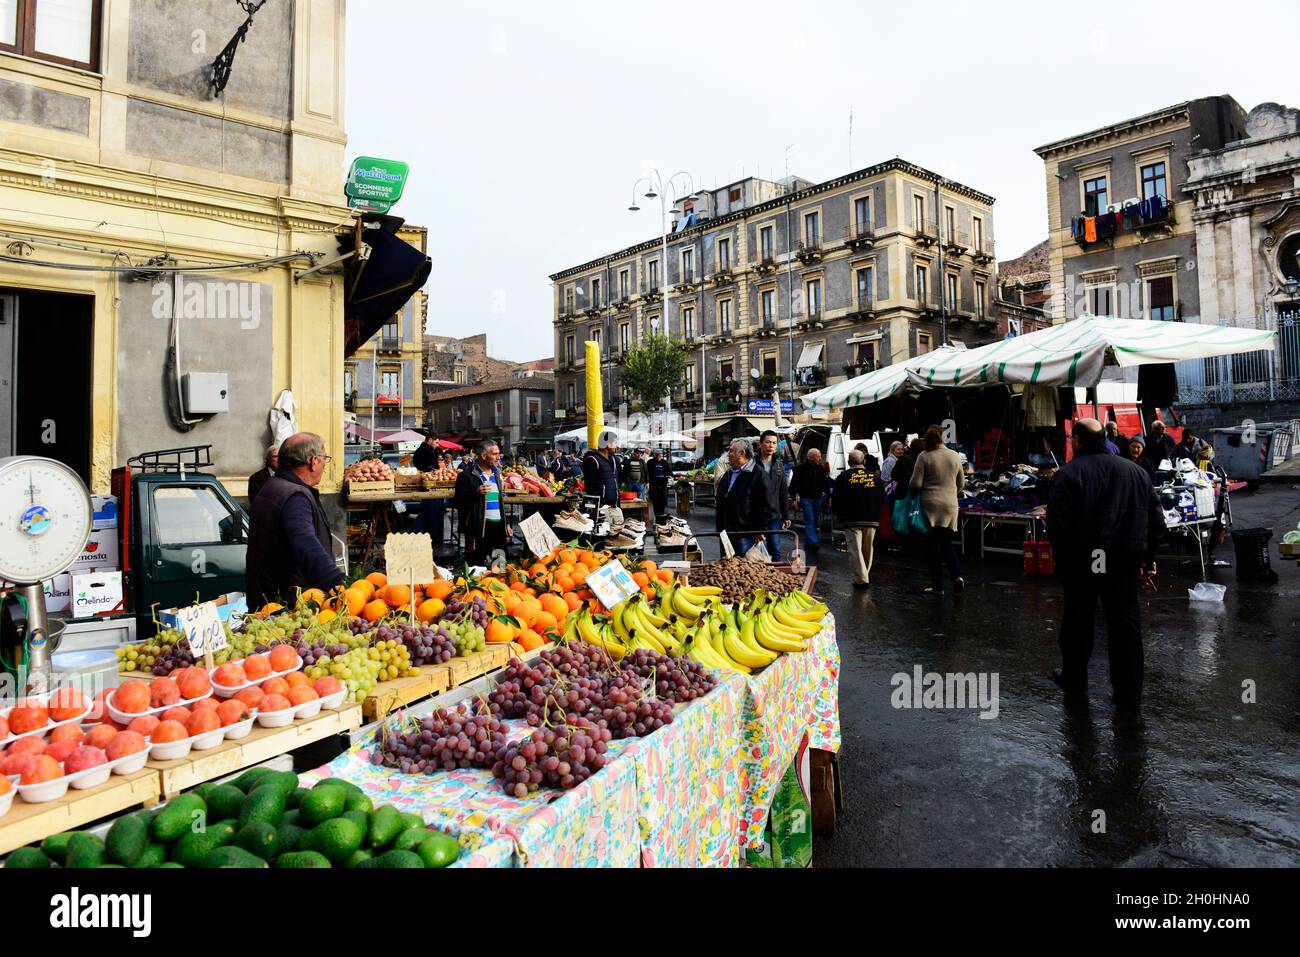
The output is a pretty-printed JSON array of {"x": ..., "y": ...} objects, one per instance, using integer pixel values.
[{"x": 939, "y": 479}]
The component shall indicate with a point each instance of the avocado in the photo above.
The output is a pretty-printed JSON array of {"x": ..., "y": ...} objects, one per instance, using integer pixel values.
[
  {"x": 169, "y": 864},
  {"x": 154, "y": 855},
  {"x": 336, "y": 839},
  {"x": 302, "y": 859},
  {"x": 86, "y": 850},
  {"x": 357, "y": 857},
  {"x": 360, "y": 819},
  {"x": 55, "y": 847},
  {"x": 358, "y": 802},
  {"x": 286, "y": 782},
  {"x": 178, "y": 818},
  {"x": 294, "y": 798},
  {"x": 410, "y": 839},
  {"x": 320, "y": 805},
  {"x": 385, "y": 824},
  {"x": 290, "y": 816},
  {"x": 250, "y": 778},
  {"x": 126, "y": 840},
  {"x": 231, "y": 856},
  {"x": 289, "y": 838},
  {"x": 264, "y": 804},
  {"x": 438, "y": 850},
  {"x": 28, "y": 858},
  {"x": 204, "y": 789},
  {"x": 396, "y": 858},
  {"x": 193, "y": 848},
  {"x": 411, "y": 819},
  {"x": 259, "y": 838},
  {"x": 224, "y": 801}
]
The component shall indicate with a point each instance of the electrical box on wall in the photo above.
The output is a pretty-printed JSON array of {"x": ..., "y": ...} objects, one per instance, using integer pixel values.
[{"x": 205, "y": 393}]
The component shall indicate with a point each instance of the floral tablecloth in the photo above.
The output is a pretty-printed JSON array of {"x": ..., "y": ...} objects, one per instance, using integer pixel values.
[{"x": 799, "y": 694}]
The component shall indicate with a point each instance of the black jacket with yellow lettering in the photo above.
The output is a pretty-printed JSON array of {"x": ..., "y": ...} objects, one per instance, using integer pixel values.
[{"x": 857, "y": 497}]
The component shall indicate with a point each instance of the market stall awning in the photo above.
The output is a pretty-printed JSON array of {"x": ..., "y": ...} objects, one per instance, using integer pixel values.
[
  {"x": 398, "y": 438},
  {"x": 1073, "y": 353},
  {"x": 448, "y": 446},
  {"x": 864, "y": 389},
  {"x": 358, "y": 431},
  {"x": 711, "y": 423},
  {"x": 378, "y": 286},
  {"x": 669, "y": 438}
]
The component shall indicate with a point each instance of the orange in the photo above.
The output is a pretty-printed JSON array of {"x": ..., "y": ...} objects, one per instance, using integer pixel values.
[
  {"x": 498, "y": 632},
  {"x": 430, "y": 609},
  {"x": 648, "y": 567},
  {"x": 296, "y": 679},
  {"x": 375, "y": 610},
  {"x": 363, "y": 585},
  {"x": 355, "y": 599},
  {"x": 517, "y": 585},
  {"x": 168, "y": 731},
  {"x": 326, "y": 615},
  {"x": 572, "y": 600},
  {"x": 378, "y": 579},
  {"x": 641, "y": 578},
  {"x": 544, "y": 622},
  {"x": 528, "y": 610},
  {"x": 568, "y": 556},
  {"x": 530, "y": 640},
  {"x": 554, "y": 604},
  {"x": 439, "y": 589},
  {"x": 397, "y": 596},
  {"x": 510, "y": 603},
  {"x": 665, "y": 575},
  {"x": 270, "y": 608},
  {"x": 312, "y": 594}
]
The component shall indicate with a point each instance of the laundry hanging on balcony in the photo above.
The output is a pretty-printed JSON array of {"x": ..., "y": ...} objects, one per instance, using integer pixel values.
[{"x": 1131, "y": 215}]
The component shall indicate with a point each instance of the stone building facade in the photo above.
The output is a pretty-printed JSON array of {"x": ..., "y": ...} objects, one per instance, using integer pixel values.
[
  {"x": 805, "y": 283},
  {"x": 516, "y": 411}
]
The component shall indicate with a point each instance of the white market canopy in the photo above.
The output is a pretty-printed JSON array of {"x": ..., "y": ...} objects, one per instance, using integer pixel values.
[
  {"x": 1073, "y": 353},
  {"x": 623, "y": 435},
  {"x": 401, "y": 438},
  {"x": 864, "y": 389}
]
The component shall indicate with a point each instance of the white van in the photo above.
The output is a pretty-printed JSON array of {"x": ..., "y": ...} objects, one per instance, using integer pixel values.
[{"x": 835, "y": 445}]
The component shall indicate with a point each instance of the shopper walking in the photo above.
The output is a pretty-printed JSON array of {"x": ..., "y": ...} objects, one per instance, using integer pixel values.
[
  {"x": 896, "y": 451},
  {"x": 482, "y": 512},
  {"x": 1103, "y": 520},
  {"x": 271, "y": 461},
  {"x": 600, "y": 471},
  {"x": 775, "y": 511},
  {"x": 635, "y": 479},
  {"x": 939, "y": 479},
  {"x": 808, "y": 489},
  {"x": 857, "y": 500},
  {"x": 740, "y": 494},
  {"x": 1137, "y": 447},
  {"x": 659, "y": 472}
]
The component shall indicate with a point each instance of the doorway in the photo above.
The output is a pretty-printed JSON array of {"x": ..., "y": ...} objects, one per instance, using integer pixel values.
[{"x": 45, "y": 376}]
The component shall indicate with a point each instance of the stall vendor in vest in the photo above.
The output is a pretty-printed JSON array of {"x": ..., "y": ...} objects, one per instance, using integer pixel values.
[{"x": 289, "y": 544}]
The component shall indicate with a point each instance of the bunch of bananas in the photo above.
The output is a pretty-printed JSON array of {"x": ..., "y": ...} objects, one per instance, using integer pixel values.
[{"x": 692, "y": 621}]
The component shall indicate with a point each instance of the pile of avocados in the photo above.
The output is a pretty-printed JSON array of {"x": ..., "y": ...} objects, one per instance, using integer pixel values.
[{"x": 260, "y": 819}]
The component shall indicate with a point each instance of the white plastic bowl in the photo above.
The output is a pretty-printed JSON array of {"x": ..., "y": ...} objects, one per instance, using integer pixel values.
[
  {"x": 332, "y": 701},
  {"x": 308, "y": 709},
  {"x": 130, "y": 763},
  {"x": 208, "y": 739},
  {"x": 170, "y": 750},
  {"x": 275, "y": 719},
  {"x": 240, "y": 729},
  {"x": 126, "y": 717},
  {"x": 49, "y": 726},
  {"x": 45, "y": 791},
  {"x": 91, "y": 777},
  {"x": 6, "y": 801}
]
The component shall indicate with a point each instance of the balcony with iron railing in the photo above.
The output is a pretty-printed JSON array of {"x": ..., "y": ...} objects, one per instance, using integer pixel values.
[
  {"x": 810, "y": 249},
  {"x": 982, "y": 249},
  {"x": 956, "y": 241},
  {"x": 926, "y": 232},
  {"x": 389, "y": 345},
  {"x": 859, "y": 235},
  {"x": 723, "y": 274},
  {"x": 854, "y": 369},
  {"x": 685, "y": 281},
  {"x": 864, "y": 307},
  {"x": 651, "y": 291},
  {"x": 810, "y": 377},
  {"x": 1139, "y": 218}
]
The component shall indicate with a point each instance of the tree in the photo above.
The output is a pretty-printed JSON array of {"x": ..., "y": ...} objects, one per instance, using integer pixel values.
[{"x": 652, "y": 368}]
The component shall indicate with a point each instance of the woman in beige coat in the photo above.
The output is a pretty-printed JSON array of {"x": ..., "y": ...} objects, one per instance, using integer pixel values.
[{"x": 938, "y": 477}]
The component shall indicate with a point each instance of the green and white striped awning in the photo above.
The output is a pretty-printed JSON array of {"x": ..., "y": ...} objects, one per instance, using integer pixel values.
[
  {"x": 861, "y": 390},
  {"x": 1073, "y": 353}
]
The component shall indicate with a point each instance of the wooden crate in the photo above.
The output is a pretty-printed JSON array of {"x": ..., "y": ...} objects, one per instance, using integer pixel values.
[
  {"x": 390, "y": 695},
  {"x": 369, "y": 488},
  {"x": 28, "y": 823},
  {"x": 1289, "y": 549},
  {"x": 260, "y": 745},
  {"x": 479, "y": 663},
  {"x": 411, "y": 483}
]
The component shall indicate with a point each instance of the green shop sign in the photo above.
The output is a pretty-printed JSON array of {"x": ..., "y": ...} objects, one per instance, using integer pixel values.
[{"x": 375, "y": 184}]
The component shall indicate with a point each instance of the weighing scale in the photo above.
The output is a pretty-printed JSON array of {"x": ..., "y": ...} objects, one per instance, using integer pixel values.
[{"x": 45, "y": 520}]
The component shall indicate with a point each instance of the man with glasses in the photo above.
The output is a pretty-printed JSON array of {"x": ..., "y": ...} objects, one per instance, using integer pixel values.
[{"x": 289, "y": 543}]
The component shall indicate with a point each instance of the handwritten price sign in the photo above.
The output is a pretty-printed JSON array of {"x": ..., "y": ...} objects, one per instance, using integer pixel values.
[{"x": 203, "y": 629}]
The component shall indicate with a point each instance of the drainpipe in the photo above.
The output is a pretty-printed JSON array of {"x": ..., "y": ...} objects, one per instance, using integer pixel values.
[
  {"x": 943, "y": 279},
  {"x": 789, "y": 290}
]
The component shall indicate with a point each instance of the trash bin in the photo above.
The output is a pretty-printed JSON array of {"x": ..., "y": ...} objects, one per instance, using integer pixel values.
[{"x": 1251, "y": 545}]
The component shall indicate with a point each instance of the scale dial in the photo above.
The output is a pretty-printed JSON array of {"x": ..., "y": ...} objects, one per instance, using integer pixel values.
[{"x": 45, "y": 518}]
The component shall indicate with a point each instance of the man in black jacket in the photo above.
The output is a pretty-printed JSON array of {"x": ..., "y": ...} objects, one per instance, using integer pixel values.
[
  {"x": 857, "y": 498},
  {"x": 809, "y": 485},
  {"x": 432, "y": 512},
  {"x": 479, "y": 491},
  {"x": 1103, "y": 521},
  {"x": 774, "y": 511},
  {"x": 600, "y": 471},
  {"x": 289, "y": 543},
  {"x": 263, "y": 475},
  {"x": 740, "y": 496},
  {"x": 659, "y": 472}
]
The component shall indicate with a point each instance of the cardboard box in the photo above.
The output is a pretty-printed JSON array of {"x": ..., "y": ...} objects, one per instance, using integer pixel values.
[
  {"x": 58, "y": 593},
  {"x": 95, "y": 594},
  {"x": 105, "y": 511},
  {"x": 100, "y": 554}
]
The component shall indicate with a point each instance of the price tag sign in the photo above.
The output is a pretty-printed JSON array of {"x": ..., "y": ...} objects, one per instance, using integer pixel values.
[
  {"x": 541, "y": 540},
  {"x": 409, "y": 557},
  {"x": 203, "y": 629},
  {"x": 727, "y": 548},
  {"x": 612, "y": 583}
]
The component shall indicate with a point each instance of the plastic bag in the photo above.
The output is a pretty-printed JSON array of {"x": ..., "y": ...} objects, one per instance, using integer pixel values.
[
  {"x": 758, "y": 553},
  {"x": 1206, "y": 591},
  {"x": 898, "y": 517},
  {"x": 917, "y": 523},
  {"x": 798, "y": 564}
]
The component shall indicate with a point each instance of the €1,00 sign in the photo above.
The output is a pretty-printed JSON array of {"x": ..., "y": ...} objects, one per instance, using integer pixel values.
[
  {"x": 612, "y": 583},
  {"x": 203, "y": 628}
]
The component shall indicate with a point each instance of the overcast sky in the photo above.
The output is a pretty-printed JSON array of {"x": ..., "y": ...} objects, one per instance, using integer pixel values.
[{"x": 526, "y": 124}]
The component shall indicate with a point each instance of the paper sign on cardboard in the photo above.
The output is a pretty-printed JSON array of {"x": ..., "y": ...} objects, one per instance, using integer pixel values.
[
  {"x": 727, "y": 548},
  {"x": 202, "y": 626},
  {"x": 409, "y": 558},
  {"x": 541, "y": 540}
]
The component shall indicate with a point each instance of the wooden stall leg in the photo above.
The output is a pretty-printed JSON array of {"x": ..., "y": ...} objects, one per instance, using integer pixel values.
[{"x": 824, "y": 791}]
